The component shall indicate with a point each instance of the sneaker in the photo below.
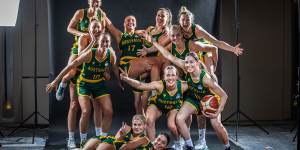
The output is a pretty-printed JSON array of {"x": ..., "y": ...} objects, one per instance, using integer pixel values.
[
  {"x": 60, "y": 91},
  {"x": 181, "y": 141},
  {"x": 177, "y": 146},
  {"x": 71, "y": 143},
  {"x": 201, "y": 145},
  {"x": 82, "y": 143}
]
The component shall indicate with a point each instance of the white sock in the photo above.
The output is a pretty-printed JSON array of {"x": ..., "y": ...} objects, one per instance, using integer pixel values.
[
  {"x": 104, "y": 134},
  {"x": 227, "y": 145},
  {"x": 63, "y": 84},
  {"x": 189, "y": 142},
  {"x": 201, "y": 133},
  {"x": 98, "y": 131},
  {"x": 83, "y": 136},
  {"x": 71, "y": 135},
  {"x": 177, "y": 142}
]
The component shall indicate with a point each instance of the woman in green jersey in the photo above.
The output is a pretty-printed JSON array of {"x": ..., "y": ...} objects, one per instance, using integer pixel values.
[
  {"x": 168, "y": 99},
  {"x": 129, "y": 42},
  {"x": 200, "y": 84},
  {"x": 91, "y": 82}
]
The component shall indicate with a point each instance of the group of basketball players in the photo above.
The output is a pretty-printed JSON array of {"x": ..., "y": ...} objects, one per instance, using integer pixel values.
[{"x": 170, "y": 68}]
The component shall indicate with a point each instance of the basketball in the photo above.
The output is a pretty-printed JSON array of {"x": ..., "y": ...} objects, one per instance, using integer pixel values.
[{"x": 210, "y": 104}]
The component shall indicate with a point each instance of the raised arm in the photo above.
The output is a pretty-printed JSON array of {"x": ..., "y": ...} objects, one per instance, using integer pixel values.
[
  {"x": 78, "y": 61},
  {"x": 72, "y": 27},
  {"x": 113, "y": 30},
  {"x": 212, "y": 85},
  {"x": 178, "y": 62},
  {"x": 155, "y": 85},
  {"x": 200, "y": 32},
  {"x": 132, "y": 145}
]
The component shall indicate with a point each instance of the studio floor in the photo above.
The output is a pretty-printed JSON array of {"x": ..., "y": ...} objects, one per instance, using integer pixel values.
[{"x": 249, "y": 137}]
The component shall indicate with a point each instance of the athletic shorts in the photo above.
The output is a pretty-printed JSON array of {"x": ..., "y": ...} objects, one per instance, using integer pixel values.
[{"x": 95, "y": 90}]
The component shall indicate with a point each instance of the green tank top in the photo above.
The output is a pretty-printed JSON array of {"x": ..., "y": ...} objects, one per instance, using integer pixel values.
[
  {"x": 83, "y": 25},
  {"x": 155, "y": 37},
  {"x": 129, "y": 46},
  {"x": 129, "y": 137},
  {"x": 196, "y": 90},
  {"x": 181, "y": 55},
  {"x": 165, "y": 98},
  {"x": 93, "y": 71}
]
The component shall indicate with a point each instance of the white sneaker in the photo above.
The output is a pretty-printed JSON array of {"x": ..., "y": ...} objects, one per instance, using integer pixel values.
[
  {"x": 177, "y": 146},
  {"x": 71, "y": 143},
  {"x": 181, "y": 140},
  {"x": 60, "y": 91},
  {"x": 201, "y": 145}
]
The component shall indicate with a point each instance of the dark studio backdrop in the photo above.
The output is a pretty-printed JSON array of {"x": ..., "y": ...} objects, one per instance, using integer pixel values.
[
  {"x": 60, "y": 13},
  {"x": 267, "y": 33}
]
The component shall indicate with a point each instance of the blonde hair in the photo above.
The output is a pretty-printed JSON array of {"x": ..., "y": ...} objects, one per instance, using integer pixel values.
[
  {"x": 170, "y": 67},
  {"x": 139, "y": 117},
  {"x": 168, "y": 11},
  {"x": 176, "y": 28},
  {"x": 184, "y": 11}
]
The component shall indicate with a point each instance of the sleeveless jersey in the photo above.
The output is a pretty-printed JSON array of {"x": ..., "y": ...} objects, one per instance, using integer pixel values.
[
  {"x": 129, "y": 46},
  {"x": 181, "y": 55},
  {"x": 155, "y": 37},
  {"x": 196, "y": 90},
  {"x": 168, "y": 101},
  {"x": 92, "y": 71}
]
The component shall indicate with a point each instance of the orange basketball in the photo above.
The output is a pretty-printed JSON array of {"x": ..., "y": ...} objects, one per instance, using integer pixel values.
[{"x": 209, "y": 103}]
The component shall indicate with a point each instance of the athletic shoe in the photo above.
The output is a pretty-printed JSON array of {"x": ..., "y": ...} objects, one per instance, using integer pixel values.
[
  {"x": 177, "y": 146},
  {"x": 181, "y": 141},
  {"x": 201, "y": 145},
  {"x": 71, "y": 143},
  {"x": 60, "y": 91}
]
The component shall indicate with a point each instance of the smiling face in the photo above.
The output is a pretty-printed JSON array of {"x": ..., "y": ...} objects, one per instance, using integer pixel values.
[
  {"x": 191, "y": 64},
  {"x": 130, "y": 23},
  {"x": 94, "y": 4},
  {"x": 170, "y": 75},
  {"x": 161, "y": 142},
  {"x": 95, "y": 28},
  {"x": 185, "y": 21},
  {"x": 138, "y": 126},
  {"x": 162, "y": 17},
  {"x": 104, "y": 41},
  {"x": 175, "y": 34}
]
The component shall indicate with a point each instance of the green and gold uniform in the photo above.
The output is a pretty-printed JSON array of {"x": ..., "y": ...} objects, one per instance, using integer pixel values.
[
  {"x": 83, "y": 26},
  {"x": 91, "y": 79},
  {"x": 129, "y": 46},
  {"x": 155, "y": 37},
  {"x": 129, "y": 137},
  {"x": 193, "y": 37},
  {"x": 196, "y": 91},
  {"x": 165, "y": 101},
  {"x": 181, "y": 55}
]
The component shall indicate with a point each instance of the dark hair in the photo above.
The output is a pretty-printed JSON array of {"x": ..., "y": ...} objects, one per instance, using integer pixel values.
[
  {"x": 194, "y": 55},
  {"x": 166, "y": 135}
]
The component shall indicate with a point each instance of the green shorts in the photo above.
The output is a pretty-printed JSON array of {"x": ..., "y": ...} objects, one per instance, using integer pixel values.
[
  {"x": 163, "y": 107},
  {"x": 113, "y": 141},
  {"x": 194, "y": 103},
  {"x": 95, "y": 90},
  {"x": 74, "y": 51}
]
